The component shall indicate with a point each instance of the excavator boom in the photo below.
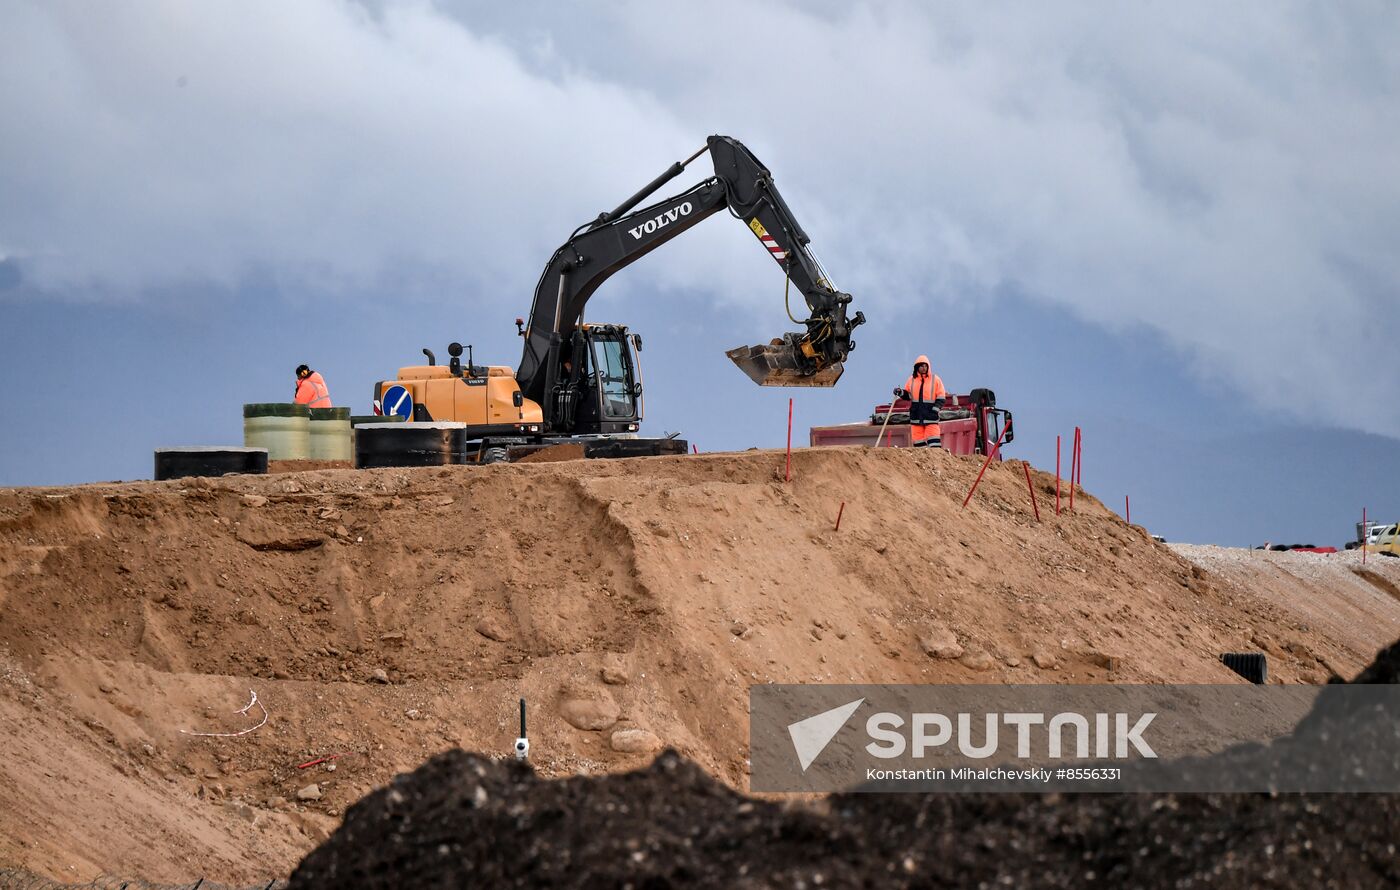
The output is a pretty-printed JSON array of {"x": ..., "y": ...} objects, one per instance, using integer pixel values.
[{"x": 742, "y": 186}]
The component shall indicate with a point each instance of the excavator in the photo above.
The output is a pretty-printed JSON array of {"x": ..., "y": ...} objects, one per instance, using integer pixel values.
[{"x": 581, "y": 381}]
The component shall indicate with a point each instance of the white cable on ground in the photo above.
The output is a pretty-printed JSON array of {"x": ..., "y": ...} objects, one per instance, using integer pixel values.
[{"x": 244, "y": 710}]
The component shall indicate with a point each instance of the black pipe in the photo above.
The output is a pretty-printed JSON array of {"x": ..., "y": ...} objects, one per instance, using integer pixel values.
[
  {"x": 671, "y": 173},
  {"x": 432, "y": 359},
  {"x": 522, "y": 718}
]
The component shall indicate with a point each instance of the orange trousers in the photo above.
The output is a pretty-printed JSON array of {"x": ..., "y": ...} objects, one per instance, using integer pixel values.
[{"x": 922, "y": 432}]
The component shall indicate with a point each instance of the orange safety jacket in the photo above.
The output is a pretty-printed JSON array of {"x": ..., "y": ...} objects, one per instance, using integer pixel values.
[
  {"x": 312, "y": 391},
  {"x": 926, "y": 395}
]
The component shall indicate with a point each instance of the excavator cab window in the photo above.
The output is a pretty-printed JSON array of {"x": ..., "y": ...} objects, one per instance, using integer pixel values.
[{"x": 614, "y": 369}]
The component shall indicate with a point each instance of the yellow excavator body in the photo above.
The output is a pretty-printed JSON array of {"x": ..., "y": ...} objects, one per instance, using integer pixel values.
[{"x": 487, "y": 397}]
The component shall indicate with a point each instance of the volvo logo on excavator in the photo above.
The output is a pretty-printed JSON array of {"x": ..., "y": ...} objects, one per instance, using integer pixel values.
[{"x": 661, "y": 221}]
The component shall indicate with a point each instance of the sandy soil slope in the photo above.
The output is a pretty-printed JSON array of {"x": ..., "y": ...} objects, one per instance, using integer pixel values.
[
  {"x": 1336, "y": 594},
  {"x": 386, "y": 615}
]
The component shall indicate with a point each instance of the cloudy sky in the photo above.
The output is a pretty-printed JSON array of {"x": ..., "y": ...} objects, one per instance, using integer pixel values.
[{"x": 1173, "y": 224}]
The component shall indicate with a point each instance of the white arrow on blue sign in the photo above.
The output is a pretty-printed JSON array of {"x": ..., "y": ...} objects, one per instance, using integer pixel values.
[{"x": 397, "y": 401}]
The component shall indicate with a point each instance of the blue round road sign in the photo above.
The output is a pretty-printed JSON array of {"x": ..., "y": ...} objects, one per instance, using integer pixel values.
[{"x": 397, "y": 401}]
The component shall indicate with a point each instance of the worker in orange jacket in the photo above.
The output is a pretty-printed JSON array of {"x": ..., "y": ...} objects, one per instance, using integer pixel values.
[
  {"x": 311, "y": 388},
  {"x": 926, "y": 396}
]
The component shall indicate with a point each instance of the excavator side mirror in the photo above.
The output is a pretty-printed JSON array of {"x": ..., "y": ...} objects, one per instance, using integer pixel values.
[
  {"x": 454, "y": 350},
  {"x": 520, "y": 326},
  {"x": 637, "y": 342}
]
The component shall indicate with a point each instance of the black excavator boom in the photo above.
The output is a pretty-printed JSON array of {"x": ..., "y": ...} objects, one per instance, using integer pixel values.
[{"x": 742, "y": 186}]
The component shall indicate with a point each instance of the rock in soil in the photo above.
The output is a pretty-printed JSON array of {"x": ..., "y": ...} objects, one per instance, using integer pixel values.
[
  {"x": 940, "y": 642},
  {"x": 493, "y": 629},
  {"x": 589, "y": 714},
  {"x": 614, "y": 671},
  {"x": 977, "y": 660},
  {"x": 635, "y": 741}
]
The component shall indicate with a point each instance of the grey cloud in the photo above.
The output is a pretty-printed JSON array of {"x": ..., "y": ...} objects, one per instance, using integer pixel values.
[
  {"x": 1204, "y": 171},
  {"x": 1225, "y": 176}
]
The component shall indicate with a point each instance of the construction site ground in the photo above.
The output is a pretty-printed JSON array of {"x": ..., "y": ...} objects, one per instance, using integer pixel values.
[{"x": 384, "y": 616}]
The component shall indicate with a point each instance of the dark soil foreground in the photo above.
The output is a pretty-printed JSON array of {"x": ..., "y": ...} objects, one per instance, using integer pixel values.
[{"x": 464, "y": 820}]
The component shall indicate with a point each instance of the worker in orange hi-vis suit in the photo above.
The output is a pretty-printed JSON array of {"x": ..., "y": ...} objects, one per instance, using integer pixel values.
[
  {"x": 926, "y": 396},
  {"x": 311, "y": 389}
]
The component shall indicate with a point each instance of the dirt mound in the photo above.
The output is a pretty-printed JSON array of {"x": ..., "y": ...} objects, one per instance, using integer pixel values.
[
  {"x": 381, "y": 616},
  {"x": 462, "y": 819},
  {"x": 1335, "y": 593},
  {"x": 553, "y": 453},
  {"x": 23, "y": 879},
  {"x": 302, "y": 466}
]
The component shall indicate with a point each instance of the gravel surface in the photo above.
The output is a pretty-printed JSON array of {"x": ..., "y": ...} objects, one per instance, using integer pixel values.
[
  {"x": 1355, "y": 606},
  {"x": 1301, "y": 564}
]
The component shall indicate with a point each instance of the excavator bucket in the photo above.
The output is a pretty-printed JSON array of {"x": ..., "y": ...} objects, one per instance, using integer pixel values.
[{"x": 776, "y": 364}]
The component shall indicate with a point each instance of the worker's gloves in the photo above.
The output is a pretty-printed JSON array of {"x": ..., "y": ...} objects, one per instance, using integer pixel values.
[{"x": 900, "y": 394}]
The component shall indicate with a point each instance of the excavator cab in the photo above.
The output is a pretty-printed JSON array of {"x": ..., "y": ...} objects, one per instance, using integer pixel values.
[{"x": 598, "y": 387}]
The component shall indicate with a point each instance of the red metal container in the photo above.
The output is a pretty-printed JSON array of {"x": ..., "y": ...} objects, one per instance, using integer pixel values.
[
  {"x": 959, "y": 436},
  {"x": 896, "y": 436}
]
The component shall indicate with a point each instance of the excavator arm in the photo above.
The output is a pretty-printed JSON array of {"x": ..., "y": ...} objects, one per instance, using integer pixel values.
[
  {"x": 744, "y": 187},
  {"x": 814, "y": 356}
]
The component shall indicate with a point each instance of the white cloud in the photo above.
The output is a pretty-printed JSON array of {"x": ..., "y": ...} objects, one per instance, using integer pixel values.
[
  {"x": 162, "y": 143},
  {"x": 1225, "y": 176}
]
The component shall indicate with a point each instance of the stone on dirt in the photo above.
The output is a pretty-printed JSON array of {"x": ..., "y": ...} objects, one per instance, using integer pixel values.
[
  {"x": 614, "y": 671},
  {"x": 977, "y": 660},
  {"x": 941, "y": 642},
  {"x": 589, "y": 714},
  {"x": 493, "y": 628},
  {"x": 635, "y": 741}
]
